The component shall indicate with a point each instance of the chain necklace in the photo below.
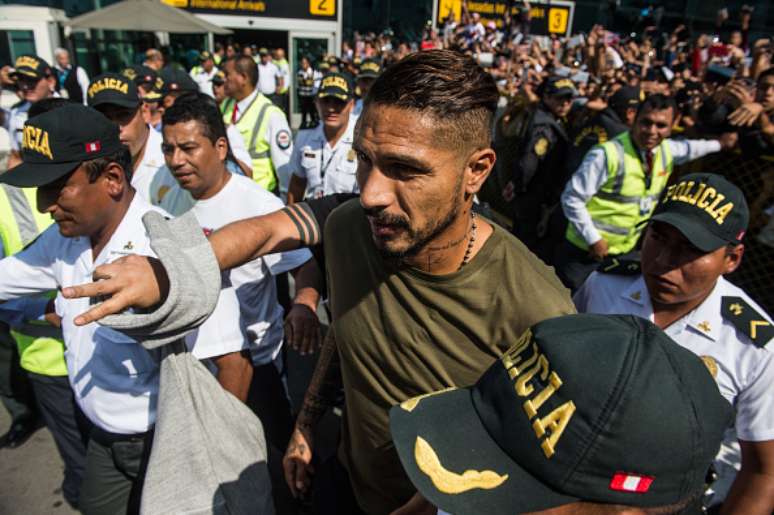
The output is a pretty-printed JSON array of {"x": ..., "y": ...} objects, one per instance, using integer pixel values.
[{"x": 469, "y": 250}]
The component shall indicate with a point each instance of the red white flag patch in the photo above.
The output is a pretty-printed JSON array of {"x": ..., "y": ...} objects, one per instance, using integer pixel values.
[
  {"x": 94, "y": 146},
  {"x": 634, "y": 483}
]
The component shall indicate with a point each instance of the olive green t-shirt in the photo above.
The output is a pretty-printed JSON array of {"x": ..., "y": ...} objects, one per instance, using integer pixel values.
[{"x": 401, "y": 333}]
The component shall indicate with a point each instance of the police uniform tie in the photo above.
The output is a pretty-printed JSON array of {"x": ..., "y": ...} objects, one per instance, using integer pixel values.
[
  {"x": 234, "y": 113},
  {"x": 649, "y": 163}
]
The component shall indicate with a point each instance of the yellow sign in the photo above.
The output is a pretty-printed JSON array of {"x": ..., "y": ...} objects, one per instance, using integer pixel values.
[
  {"x": 322, "y": 7},
  {"x": 177, "y": 3},
  {"x": 557, "y": 20},
  {"x": 447, "y": 7}
]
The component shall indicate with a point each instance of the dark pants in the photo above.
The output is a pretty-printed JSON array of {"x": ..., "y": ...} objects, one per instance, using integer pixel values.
[
  {"x": 332, "y": 491},
  {"x": 268, "y": 400},
  {"x": 115, "y": 472},
  {"x": 15, "y": 390},
  {"x": 308, "y": 111},
  {"x": 68, "y": 425}
]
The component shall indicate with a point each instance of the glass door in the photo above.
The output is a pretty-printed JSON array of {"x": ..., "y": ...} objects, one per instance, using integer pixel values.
[{"x": 314, "y": 46}]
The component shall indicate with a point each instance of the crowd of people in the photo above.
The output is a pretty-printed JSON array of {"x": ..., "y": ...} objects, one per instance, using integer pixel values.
[{"x": 521, "y": 244}]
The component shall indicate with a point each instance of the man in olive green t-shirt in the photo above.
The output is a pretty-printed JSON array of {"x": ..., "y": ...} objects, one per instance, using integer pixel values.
[{"x": 424, "y": 293}]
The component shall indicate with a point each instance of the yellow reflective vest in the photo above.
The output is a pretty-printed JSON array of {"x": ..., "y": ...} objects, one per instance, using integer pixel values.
[
  {"x": 253, "y": 125},
  {"x": 41, "y": 348},
  {"x": 628, "y": 196}
]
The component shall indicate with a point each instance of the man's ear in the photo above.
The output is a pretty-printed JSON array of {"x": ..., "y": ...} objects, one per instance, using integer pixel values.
[
  {"x": 115, "y": 179},
  {"x": 733, "y": 258},
  {"x": 221, "y": 147},
  {"x": 479, "y": 166}
]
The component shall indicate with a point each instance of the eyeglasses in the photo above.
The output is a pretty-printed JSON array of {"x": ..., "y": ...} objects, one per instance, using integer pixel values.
[{"x": 27, "y": 83}]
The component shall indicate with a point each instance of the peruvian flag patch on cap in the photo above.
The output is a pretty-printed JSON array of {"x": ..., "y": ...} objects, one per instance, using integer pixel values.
[
  {"x": 623, "y": 482},
  {"x": 93, "y": 146}
]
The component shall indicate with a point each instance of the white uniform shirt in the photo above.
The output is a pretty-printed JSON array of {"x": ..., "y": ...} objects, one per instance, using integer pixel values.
[
  {"x": 745, "y": 372},
  {"x": 326, "y": 169},
  {"x": 14, "y": 123},
  {"x": 278, "y": 136},
  {"x": 204, "y": 79},
  {"x": 151, "y": 163},
  {"x": 592, "y": 175},
  {"x": 267, "y": 78},
  {"x": 261, "y": 319},
  {"x": 114, "y": 379}
]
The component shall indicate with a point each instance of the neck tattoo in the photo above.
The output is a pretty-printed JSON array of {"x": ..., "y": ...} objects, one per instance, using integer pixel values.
[{"x": 469, "y": 250}]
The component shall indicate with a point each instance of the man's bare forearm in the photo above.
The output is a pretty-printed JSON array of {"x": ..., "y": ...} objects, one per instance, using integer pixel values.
[
  {"x": 308, "y": 279},
  {"x": 324, "y": 386},
  {"x": 235, "y": 372},
  {"x": 751, "y": 494},
  {"x": 240, "y": 242}
]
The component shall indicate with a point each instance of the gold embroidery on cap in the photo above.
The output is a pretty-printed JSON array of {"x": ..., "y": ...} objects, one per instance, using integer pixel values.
[
  {"x": 35, "y": 138},
  {"x": 334, "y": 81},
  {"x": 450, "y": 482},
  {"x": 548, "y": 429},
  {"x": 108, "y": 83},
  {"x": 27, "y": 62},
  {"x": 705, "y": 198},
  {"x": 410, "y": 404},
  {"x": 711, "y": 365}
]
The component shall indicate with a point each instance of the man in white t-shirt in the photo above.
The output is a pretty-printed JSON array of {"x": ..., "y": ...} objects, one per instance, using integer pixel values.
[
  {"x": 195, "y": 151},
  {"x": 270, "y": 79}
]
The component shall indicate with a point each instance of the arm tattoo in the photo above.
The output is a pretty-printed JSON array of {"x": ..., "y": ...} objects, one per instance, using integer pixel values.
[
  {"x": 324, "y": 386},
  {"x": 303, "y": 219}
]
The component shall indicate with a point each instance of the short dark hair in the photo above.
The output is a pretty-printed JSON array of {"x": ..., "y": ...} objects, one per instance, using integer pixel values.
[
  {"x": 246, "y": 66},
  {"x": 122, "y": 157},
  {"x": 765, "y": 73},
  {"x": 447, "y": 84},
  {"x": 657, "y": 102},
  {"x": 201, "y": 108}
]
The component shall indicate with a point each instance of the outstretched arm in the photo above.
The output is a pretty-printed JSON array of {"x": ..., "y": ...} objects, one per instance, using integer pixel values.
[{"x": 141, "y": 282}]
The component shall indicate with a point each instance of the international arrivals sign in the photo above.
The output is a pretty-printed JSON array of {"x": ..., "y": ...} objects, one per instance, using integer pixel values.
[
  {"x": 546, "y": 17},
  {"x": 296, "y": 9}
]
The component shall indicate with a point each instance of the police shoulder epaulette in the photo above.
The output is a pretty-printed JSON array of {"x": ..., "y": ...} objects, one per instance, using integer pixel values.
[
  {"x": 747, "y": 319},
  {"x": 618, "y": 266}
]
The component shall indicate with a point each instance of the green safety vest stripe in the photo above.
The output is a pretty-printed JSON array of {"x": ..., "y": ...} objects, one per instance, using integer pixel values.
[
  {"x": 615, "y": 212},
  {"x": 41, "y": 349}
]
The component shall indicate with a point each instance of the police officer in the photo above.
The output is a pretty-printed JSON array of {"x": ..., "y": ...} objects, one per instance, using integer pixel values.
[
  {"x": 204, "y": 72},
  {"x": 694, "y": 239},
  {"x": 324, "y": 161},
  {"x": 306, "y": 92},
  {"x": 117, "y": 98},
  {"x": 538, "y": 168},
  {"x": 603, "y": 125},
  {"x": 617, "y": 187},
  {"x": 367, "y": 73},
  {"x": 81, "y": 172},
  {"x": 34, "y": 80},
  {"x": 263, "y": 125},
  {"x": 39, "y": 343}
]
